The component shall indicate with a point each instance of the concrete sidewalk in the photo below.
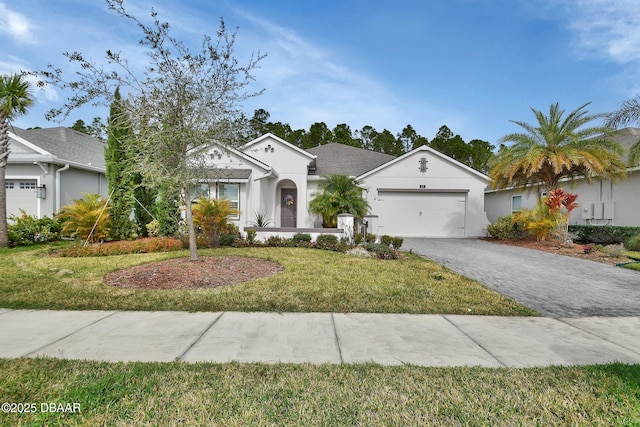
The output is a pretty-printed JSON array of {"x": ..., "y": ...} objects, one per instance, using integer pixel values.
[{"x": 388, "y": 339}]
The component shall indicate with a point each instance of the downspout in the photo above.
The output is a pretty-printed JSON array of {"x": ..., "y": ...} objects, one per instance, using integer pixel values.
[{"x": 58, "y": 172}]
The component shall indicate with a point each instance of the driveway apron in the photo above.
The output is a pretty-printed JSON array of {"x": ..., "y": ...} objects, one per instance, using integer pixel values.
[{"x": 554, "y": 285}]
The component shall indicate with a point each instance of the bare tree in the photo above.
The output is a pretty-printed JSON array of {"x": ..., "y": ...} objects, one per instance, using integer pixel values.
[{"x": 180, "y": 105}]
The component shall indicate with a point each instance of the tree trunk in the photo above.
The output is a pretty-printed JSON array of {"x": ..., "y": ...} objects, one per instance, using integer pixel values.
[
  {"x": 4, "y": 157},
  {"x": 193, "y": 246},
  {"x": 4, "y": 234}
]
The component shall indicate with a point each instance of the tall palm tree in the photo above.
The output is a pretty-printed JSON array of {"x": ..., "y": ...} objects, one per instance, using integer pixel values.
[
  {"x": 15, "y": 99},
  {"x": 338, "y": 194},
  {"x": 556, "y": 149},
  {"x": 629, "y": 112}
]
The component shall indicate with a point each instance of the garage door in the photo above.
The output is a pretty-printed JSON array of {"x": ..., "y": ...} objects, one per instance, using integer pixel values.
[
  {"x": 422, "y": 214},
  {"x": 21, "y": 194}
]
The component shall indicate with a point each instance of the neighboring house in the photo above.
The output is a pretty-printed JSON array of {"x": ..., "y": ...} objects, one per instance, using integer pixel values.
[
  {"x": 602, "y": 202},
  {"x": 49, "y": 168},
  {"x": 421, "y": 193}
]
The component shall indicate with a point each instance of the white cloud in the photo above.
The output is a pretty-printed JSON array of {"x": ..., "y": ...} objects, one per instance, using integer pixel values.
[
  {"x": 306, "y": 83},
  {"x": 16, "y": 25},
  {"x": 608, "y": 28}
]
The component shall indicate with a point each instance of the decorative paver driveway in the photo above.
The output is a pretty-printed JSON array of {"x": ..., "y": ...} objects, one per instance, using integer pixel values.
[{"x": 554, "y": 285}]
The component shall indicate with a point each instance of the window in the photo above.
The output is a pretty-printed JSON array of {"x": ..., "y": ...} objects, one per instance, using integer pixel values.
[
  {"x": 8, "y": 185},
  {"x": 202, "y": 189},
  {"x": 214, "y": 190},
  {"x": 516, "y": 203},
  {"x": 231, "y": 192},
  {"x": 29, "y": 185}
]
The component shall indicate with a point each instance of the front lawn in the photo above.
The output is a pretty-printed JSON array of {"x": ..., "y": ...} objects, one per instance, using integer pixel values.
[
  {"x": 312, "y": 281},
  {"x": 168, "y": 394}
]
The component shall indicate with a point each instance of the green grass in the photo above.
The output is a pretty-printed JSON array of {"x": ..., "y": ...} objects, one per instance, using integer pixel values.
[
  {"x": 325, "y": 395},
  {"x": 633, "y": 255},
  {"x": 633, "y": 266},
  {"x": 312, "y": 281}
]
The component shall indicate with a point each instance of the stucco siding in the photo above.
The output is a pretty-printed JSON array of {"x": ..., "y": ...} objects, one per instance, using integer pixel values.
[
  {"x": 445, "y": 200},
  {"x": 75, "y": 182},
  {"x": 623, "y": 196}
]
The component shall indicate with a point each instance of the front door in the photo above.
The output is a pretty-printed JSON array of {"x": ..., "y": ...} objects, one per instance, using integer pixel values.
[{"x": 288, "y": 204}]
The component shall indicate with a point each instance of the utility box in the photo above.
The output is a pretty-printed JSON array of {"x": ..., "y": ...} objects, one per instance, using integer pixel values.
[
  {"x": 587, "y": 211},
  {"x": 598, "y": 210},
  {"x": 608, "y": 210}
]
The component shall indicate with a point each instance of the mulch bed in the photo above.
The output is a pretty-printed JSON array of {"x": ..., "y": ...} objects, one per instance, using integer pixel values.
[{"x": 182, "y": 273}]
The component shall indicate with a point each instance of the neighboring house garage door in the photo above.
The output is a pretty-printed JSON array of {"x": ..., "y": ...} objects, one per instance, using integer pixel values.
[
  {"x": 426, "y": 213},
  {"x": 21, "y": 194}
]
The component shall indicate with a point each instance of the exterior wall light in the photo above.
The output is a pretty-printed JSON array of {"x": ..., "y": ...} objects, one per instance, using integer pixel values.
[{"x": 41, "y": 191}]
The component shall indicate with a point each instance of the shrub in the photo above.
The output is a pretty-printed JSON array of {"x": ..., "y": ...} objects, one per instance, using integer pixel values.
[
  {"x": 633, "y": 244},
  {"x": 330, "y": 242},
  {"x": 153, "y": 228},
  {"x": 381, "y": 250},
  {"x": 301, "y": 237},
  {"x": 210, "y": 218},
  {"x": 396, "y": 242},
  {"x": 251, "y": 236},
  {"x": 124, "y": 247},
  {"x": 261, "y": 220},
  {"x": 607, "y": 234},
  {"x": 278, "y": 242},
  {"x": 370, "y": 238},
  {"x": 615, "y": 250},
  {"x": 506, "y": 228},
  {"x": 86, "y": 218},
  {"x": 29, "y": 230},
  {"x": 227, "y": 239}
]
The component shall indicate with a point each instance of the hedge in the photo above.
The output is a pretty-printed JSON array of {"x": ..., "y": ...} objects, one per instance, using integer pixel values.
[{"x": 606, "y": 234}]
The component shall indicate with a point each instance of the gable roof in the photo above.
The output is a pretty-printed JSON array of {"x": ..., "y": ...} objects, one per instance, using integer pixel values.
[
  {"x": 64, "y": 145},
  {"x": 454, "y": 162},
  {"x": 279, "y": 140},
  {"x": 344, "y": 159}
]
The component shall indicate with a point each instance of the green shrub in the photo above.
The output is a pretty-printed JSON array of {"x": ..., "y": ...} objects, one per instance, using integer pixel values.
[
  {"x": 278, "y": 242},
  {"x": 633, "y": 244},
  {"x": 251, "y": 236},
  {"x": 29, "y": 230},
  {"x": 607, "y": 234},
  {"x": 505, "y": 228},
  {"x": 330, "y": 242},
  {"x": 301, "y": 237},
  {"x": 370, "y": 238},
  {"x": 381, "y": 250},
  {"x": 227, "y": 239},
  {"x": 396, "y": 242}
]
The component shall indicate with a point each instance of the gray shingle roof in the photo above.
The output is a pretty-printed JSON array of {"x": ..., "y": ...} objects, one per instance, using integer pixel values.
[
  {"x": 626, "y": 138},
  {"x": 67, "y": 145},
  {"x": 346, "y": 160}
]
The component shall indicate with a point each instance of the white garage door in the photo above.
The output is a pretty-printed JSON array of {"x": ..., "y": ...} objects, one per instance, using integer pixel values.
[
  {"x": 422, "y": 214},
  {"x": 21, "y": 194}
]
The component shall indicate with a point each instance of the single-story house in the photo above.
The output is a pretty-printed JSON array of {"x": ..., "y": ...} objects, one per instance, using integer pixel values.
[
  {"x": 49, "y": 168},
  {"x": 602, "y": 202},
  {"x": 421, "y": 193}
]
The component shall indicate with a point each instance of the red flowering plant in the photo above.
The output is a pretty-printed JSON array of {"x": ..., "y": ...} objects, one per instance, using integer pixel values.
[{"x": 560, "y": 204}]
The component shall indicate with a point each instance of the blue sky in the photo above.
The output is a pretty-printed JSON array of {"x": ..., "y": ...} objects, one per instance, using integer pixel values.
[{"x": 470, "y": 64}]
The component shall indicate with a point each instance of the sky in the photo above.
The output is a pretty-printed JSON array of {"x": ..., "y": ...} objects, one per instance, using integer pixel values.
[{"x": 473, "y": 65}]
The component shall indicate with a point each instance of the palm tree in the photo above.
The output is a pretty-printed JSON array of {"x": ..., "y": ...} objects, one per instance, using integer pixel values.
[
  {"x": 629, "y": 112},
  {"x": 86, "y": 218},
  {"x": 338, "y": 194},
  {"x": 15, "y": 99},
  {"x": 557, "y": 149}
]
